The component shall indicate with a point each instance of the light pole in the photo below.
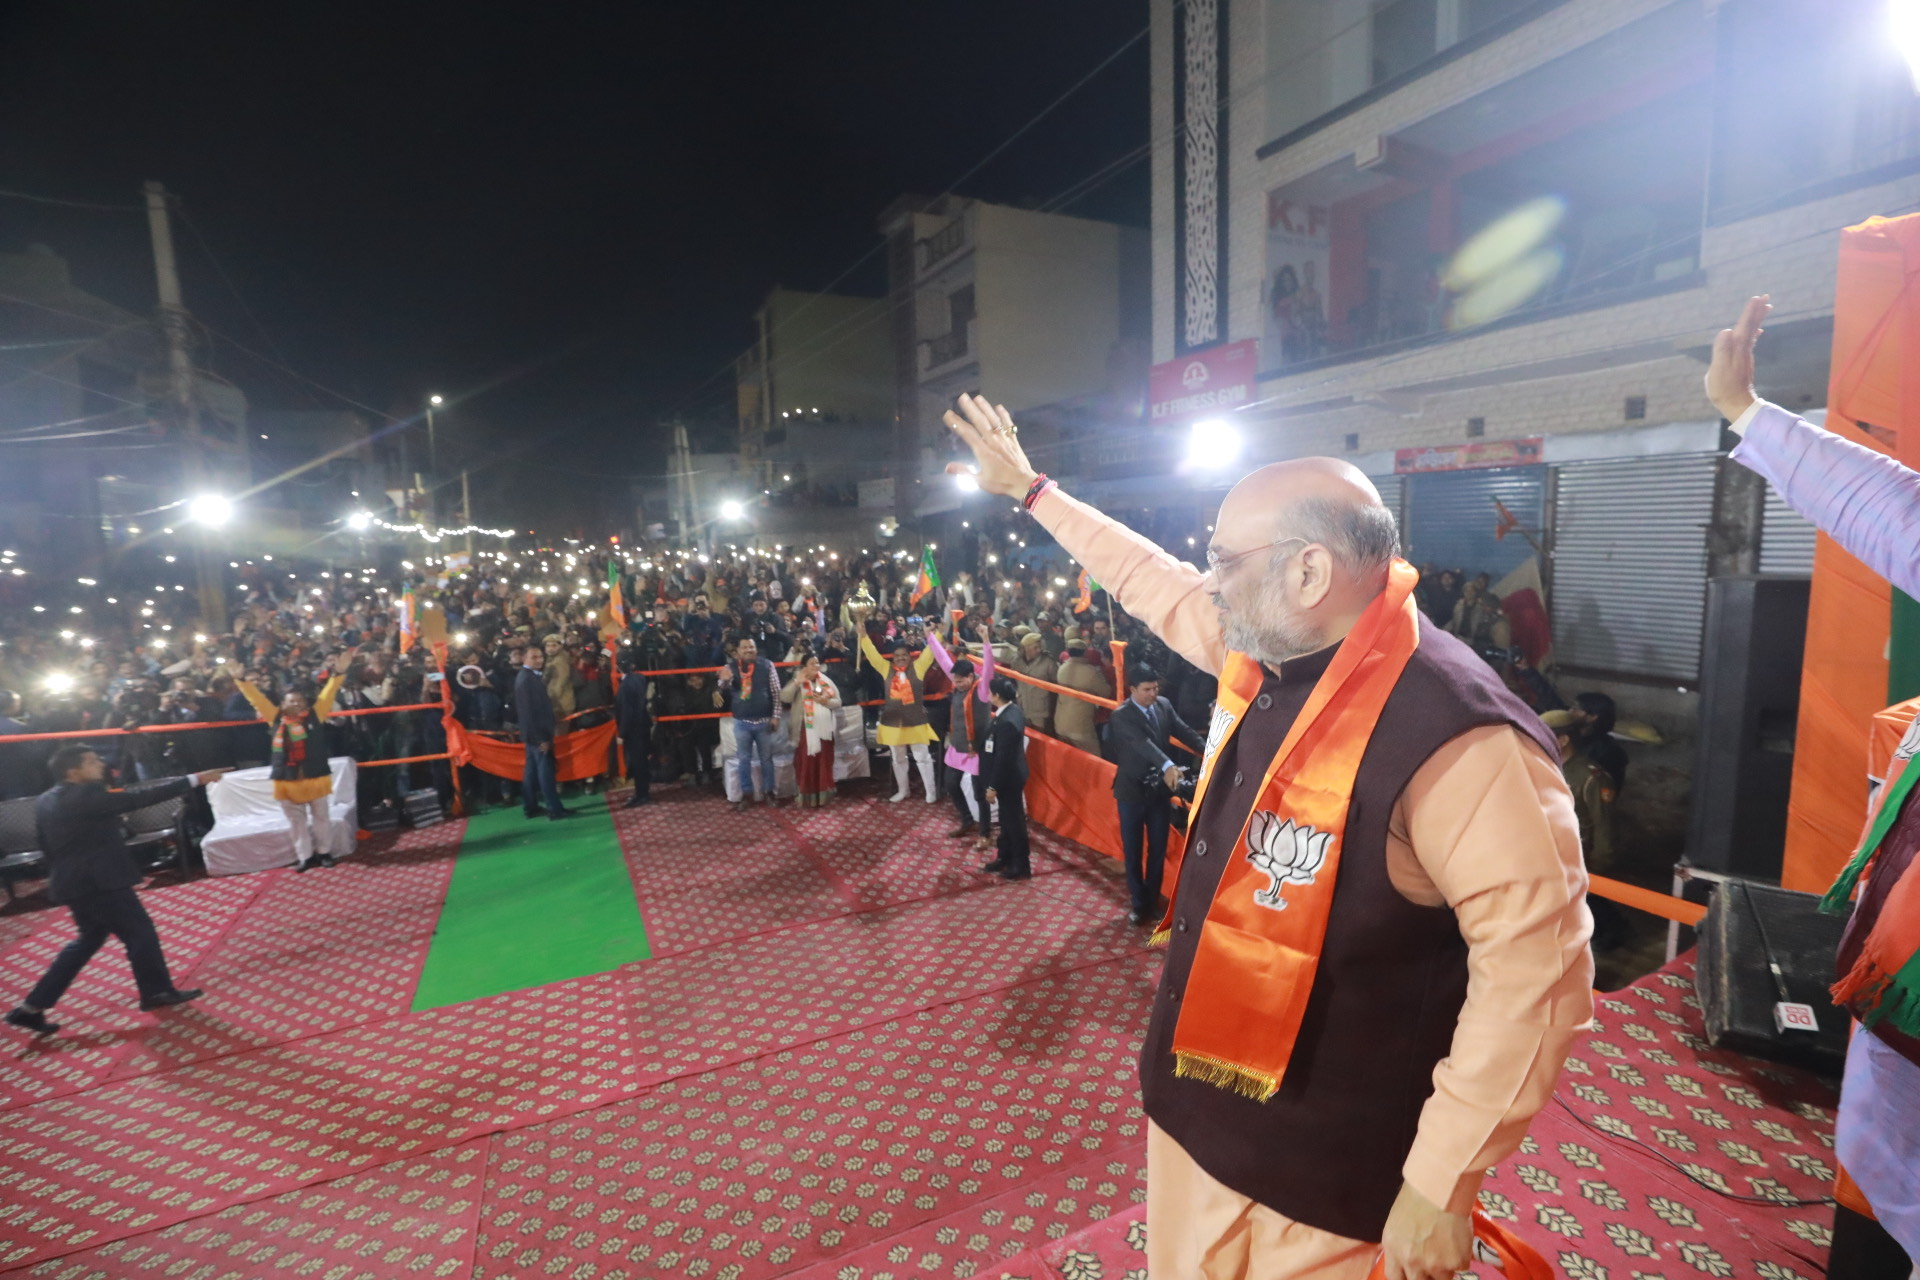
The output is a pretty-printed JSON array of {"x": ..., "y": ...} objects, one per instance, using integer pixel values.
[{"x": 433, "y": 454}]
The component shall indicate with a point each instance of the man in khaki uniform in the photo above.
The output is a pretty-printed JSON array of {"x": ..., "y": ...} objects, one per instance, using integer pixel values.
[{"x": 1073, "y": 719}]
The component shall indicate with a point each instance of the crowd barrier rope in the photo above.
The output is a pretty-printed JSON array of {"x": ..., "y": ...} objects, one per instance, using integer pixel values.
[{"x": 1062, "y": 778}]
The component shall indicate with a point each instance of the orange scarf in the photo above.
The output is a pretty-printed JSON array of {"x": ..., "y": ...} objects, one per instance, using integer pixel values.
[{"x": 1260, "y": 944}]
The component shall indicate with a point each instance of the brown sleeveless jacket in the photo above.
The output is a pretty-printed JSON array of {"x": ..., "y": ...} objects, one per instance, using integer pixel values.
[{"x": 1327, "y": 1149}]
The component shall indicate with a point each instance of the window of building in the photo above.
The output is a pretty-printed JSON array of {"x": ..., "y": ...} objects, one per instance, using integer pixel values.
[
  {"x": 1321, "y": 54},
  {"x": 1604, "y": 208},
  {"x": 1838, "y": 102}
]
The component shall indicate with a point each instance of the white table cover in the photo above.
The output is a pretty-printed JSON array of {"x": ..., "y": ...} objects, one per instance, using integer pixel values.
[
  {"x": 250, "y": 833},
  {"x": 849, "y": 754}
]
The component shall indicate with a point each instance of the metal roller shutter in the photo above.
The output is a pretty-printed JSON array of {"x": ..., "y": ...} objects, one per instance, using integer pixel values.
[
  {"x": 1451, "y": 519},
  {"x": 1630, "y": 564},
  {"x": 1392, "y": 493},
  {"x": 1786, "y": 538}
]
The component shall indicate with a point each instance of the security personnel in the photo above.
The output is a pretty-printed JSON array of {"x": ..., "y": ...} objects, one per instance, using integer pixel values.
[{"x": 91, "y": 873}]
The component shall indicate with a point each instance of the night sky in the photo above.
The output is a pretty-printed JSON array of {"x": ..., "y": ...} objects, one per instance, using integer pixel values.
[{"x": 562, "y": 215}]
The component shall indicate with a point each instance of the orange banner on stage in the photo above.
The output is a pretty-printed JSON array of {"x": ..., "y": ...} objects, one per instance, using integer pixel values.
[
  {"x": 577, "y": 755},
  {"x": 1843, "y": 682}
]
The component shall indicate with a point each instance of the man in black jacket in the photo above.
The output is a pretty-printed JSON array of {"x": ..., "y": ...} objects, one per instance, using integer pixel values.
[
  {"x": 535, "y": 710},
  {"x": 91, "y": 872},
  {"x": 1143, "y": 781},
  {"x": 635, "y": 721},
  {"x": 1003, "y": 767}
]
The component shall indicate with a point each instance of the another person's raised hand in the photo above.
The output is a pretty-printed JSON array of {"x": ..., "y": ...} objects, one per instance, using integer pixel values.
[
  {"x": 1730, "y": 375},
  {"x": 208, "y": 775},
  {"x": 999, "y": 460}
]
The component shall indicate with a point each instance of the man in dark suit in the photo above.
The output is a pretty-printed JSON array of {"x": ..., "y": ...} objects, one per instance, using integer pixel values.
[
  {"x": 1144, "y": 777},
  {"x": 1003, "y": 768},
  {"x": 635, "y": 727},
  {"x": 91, "y": 872},
  {"x": 535, "y": 710}
]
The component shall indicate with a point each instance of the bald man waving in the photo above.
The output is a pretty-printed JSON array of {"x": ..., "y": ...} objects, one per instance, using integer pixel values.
[{"x": 1377, "y": 945}]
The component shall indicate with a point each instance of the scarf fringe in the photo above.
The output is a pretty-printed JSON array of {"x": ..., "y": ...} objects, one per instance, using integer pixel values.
[
  {"x": 1160, "y": 938},
  {"x": 1837, "y": 899},
  {"x": 1879, "y": 998},
  {"x": 1207, "y": 1069}
]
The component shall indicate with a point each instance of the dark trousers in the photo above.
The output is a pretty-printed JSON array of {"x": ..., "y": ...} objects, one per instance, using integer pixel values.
[
  {"x": 115, "y": 913},
  {"x": 1149, "y": 818},
  {"x": 538, "y": 781},
  {"x": 1013, "y": 853},
  {"x": 691, "y": 755},
  {"x": 639, "y": 749},
  {"x": 959, "y": 783},
  {"x": 1862, "y": 1250}
]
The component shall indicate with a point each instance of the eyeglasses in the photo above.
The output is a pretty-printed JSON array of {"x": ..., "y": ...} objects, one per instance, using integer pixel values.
[{"x": 1217, "y": 564}]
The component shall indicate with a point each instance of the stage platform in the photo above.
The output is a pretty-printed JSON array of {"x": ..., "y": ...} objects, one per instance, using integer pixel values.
[{"x": 848, "y": 1056}]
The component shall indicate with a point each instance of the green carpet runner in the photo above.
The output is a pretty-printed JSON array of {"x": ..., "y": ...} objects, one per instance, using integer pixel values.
[{"x": 532, "y": 902}]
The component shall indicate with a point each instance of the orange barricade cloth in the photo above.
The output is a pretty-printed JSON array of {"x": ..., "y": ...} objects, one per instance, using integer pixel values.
[
  {"x": 1070, "y": 793},
  {"x": 577, "y": 755},
  {"x": 1843, "y": 679}
]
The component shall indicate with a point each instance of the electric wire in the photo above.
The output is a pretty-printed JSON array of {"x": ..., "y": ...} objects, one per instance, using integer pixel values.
[{"x": 72, "y": 204}]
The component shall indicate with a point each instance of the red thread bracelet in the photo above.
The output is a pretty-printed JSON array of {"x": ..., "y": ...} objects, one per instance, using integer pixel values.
[{"x": 1039, "y": 486}]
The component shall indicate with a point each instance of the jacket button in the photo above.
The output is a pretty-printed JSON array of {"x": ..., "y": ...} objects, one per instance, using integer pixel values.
[
  {"x": 1181, "y": 924},
  {"x": 1239, "y": 778},
  {"x": 1200, "y": 850},
  {"x": 1264, "y": 701},
  {"x": 1173, "y": 993}
]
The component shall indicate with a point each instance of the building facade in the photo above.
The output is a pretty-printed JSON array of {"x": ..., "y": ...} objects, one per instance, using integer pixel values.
[
  {"x": 90, "y": 464},
  {"x": 1482, "y": 247},
  {"x": 815, "y": 395},
  {"x": 1043, "y": 312}
]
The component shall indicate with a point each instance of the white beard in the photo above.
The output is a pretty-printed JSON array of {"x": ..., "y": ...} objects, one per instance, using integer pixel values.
[{"x": 1284, "y": 637}]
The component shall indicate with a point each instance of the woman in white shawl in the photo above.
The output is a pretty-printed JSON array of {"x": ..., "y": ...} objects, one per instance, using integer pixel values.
[{"x": 814, "y": 699}]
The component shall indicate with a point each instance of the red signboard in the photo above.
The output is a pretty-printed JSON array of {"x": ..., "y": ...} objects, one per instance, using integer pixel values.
[
  {"x": 1210, "y": 381},
  {"x": 1468, "y": 457}
]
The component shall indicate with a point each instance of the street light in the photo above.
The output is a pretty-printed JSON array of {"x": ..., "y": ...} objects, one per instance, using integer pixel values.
[
  {"x": 360, "y": 521},
  {"x": 1904, "y": 26},
  {"x": 733, "y": 509},
  {"x": 1213, "y": 443},
  {"x": 210, "y": 509}
]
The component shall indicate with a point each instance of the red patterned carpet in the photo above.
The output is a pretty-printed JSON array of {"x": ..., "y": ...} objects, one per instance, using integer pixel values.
[{"x": 852, "y": 1058}]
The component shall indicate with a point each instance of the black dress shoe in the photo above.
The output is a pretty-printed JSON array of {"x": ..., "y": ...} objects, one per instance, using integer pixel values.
[
  {"x": 994, "y": 868},
  {"x": 1136, "y": 917},
  {"x": 637, "y": 801},
  {"x": 29, "y": 1020},
  {"x": 534, "y": 813},
  {"x": 1017, "y": 873},
  {"x": 168, "y": 998},
  {"x": 558, "y": 814},
  {"x": 299, "y": 867},
  {"x": 325, "y": 860}
]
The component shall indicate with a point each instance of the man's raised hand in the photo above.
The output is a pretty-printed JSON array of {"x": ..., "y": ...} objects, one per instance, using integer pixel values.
[
  {"x": 999, "y": 460},
  {"x": 1730, "y": 375}
]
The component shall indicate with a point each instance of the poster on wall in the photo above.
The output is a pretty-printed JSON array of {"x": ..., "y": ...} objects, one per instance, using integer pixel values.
[{"x": 1294, "y": 293}]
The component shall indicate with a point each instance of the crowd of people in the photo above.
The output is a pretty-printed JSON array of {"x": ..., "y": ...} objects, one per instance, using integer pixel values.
[{"x": 771, "y": 641}]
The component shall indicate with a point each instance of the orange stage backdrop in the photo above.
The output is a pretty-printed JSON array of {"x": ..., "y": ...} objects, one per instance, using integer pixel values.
[
  {"x": 581, "y": 754},
  {"x": 1844, "y": 676}
]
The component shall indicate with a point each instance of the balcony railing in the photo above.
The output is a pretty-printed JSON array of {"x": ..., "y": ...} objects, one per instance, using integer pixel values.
[{"x": 943, "y": 244}]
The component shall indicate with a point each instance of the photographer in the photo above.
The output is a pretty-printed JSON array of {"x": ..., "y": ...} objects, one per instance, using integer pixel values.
[{"x": 1144, "y": 779}]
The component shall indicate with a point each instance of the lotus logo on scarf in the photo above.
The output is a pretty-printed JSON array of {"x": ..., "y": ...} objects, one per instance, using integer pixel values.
[
  {"x": 1909, "y": 746},
  {"x": 1287, "y": 853}
]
